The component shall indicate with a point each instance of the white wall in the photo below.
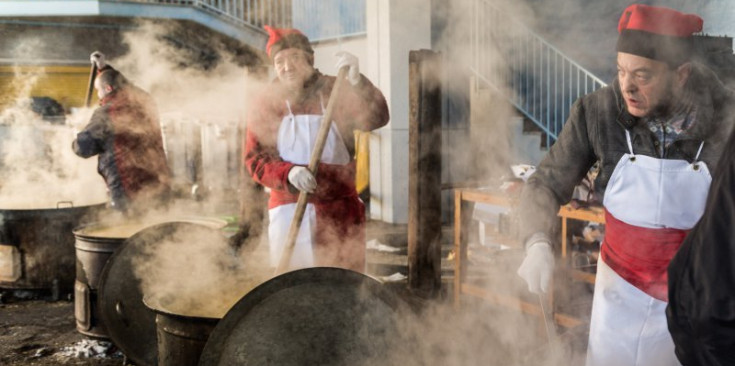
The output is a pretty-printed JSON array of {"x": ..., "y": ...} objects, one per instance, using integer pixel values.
[
  {"x": 394, "y": 28},
  {"x": 324, "y": 59}
]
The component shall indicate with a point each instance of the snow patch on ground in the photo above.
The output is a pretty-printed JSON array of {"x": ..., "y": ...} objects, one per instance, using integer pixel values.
[
  {"x": 91, "y": 348},
  {"x": 396, "y": 277},
  {"x": 374, "y": 244}
]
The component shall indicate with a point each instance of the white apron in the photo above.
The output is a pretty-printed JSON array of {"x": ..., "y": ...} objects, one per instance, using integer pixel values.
[
  {"x": 296, "y": 137},
  {"x": 628, "y": 326}
]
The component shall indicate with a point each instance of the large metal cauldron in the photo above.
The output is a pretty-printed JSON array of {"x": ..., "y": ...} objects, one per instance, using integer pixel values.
[
  {"x": 129, "y": 322},
  {"x": 37, "y": 246},
  {"x": 95, "y": 244}
]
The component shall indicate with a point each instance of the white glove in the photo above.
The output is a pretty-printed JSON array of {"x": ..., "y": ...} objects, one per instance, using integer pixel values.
[
  {"x": 350, "y": 60},
  {"x": 537, "y": 267},
  {"x": 301, "y": 178},
  {"x": 98, "y": 58}
]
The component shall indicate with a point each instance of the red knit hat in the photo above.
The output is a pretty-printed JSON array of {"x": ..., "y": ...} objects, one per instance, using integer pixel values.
[
  {"x": 283, "y": 38},
  {"x": 658, "y": 33}
]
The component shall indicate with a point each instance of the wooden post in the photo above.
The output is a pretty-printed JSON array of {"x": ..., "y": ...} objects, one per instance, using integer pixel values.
[{"x": 424, "y": 179}]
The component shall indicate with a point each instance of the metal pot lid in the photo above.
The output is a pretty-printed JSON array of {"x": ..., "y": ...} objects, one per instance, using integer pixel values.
[
  {"x": 313, "y": 316},
  {"x": 126, "y": 229},
  {"x": 129, "y": 322}
]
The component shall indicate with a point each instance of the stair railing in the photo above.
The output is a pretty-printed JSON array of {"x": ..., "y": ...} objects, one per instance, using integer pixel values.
[
  {"x": 537, "y": 78},
  {"x": 247, "y": 13}
]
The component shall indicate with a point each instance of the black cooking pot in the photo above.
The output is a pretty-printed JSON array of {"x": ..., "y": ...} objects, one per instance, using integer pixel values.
[
  {"x": 129, "y": 323},
  {"x": 41, "y": 246}
]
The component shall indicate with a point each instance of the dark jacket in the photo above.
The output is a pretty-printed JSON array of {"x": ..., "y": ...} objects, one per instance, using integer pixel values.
[
  {"x": 125, "y": 133},
  {"x": 701, "y": 309},
  {"x": 595, "y": 131}
]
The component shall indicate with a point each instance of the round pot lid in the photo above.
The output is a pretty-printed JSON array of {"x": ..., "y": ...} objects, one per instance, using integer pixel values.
[
  {"x": 313, "y": 316},
  {"x": 129, "y": 322},
  {"x": 124, "y": 229}
]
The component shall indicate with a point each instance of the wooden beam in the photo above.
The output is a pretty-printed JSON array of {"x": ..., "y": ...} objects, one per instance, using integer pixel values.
[{"x": 424, "y": 179}]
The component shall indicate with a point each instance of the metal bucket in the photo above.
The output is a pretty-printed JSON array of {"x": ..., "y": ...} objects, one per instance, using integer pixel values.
[
  {"x": 220, "y": 156},
  {"x": 180, "y": 337},
  {"x": 181, "y": 138},
  {"x": 94, "y": 245}
]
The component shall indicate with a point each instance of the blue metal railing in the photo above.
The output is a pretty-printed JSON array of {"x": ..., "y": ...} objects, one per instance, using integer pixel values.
[
  {"x": 320, "y": 20},
  {"x": 324, "y": 20},
  {"x": 252, "y": 13},
  {"x": 538, "y": 79}
]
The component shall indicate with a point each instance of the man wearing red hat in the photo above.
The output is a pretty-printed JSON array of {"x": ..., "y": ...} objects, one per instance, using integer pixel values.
[
  {"x": 125, "y": 134},
  {"x": 281, "y": 132},
  {"x": 656, "y": 131}
]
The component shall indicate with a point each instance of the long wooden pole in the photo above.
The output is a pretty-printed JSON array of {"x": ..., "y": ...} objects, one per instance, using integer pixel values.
[
  {"x": 316, "y": 154},
  {"x": 90, "y": 86}
]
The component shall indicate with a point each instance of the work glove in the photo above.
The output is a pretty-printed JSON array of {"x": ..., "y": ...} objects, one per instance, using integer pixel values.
[
  {"x": 537, "y": 267},
  {"x": 351, "y": 61},
  {"x": 98, "y": 58},
  {"x": 301, "y": 178}
]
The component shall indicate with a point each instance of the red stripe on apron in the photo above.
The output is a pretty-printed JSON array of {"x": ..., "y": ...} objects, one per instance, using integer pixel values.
[{"x": 641, "y": 255}]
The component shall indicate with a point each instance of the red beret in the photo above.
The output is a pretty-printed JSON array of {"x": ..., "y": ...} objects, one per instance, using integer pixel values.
[
  {"x": 283, "y": 38},
  {"x": 664, "y": 21},
  {"x": 657, "y": 33}
]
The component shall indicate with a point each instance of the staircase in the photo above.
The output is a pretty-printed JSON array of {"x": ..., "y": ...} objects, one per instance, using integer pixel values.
[{"x": 539, "y": 80}]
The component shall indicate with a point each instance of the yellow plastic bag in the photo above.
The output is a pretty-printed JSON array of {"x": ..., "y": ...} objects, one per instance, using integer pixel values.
[{"x": 362, "y": 157}]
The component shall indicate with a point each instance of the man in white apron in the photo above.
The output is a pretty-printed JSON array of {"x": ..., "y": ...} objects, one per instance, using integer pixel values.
[
  {"x": 281, "y": 133},
  {"x": 656, "y": 131}
]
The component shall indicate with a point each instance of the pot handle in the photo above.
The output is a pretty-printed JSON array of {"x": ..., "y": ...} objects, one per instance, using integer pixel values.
[
  {"x": 121, "y": 313},
  {"x": 60, "y": 203}
]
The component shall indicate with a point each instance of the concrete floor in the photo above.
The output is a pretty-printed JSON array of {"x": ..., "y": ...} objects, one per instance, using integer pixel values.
[{"x": 43, "y": 333}]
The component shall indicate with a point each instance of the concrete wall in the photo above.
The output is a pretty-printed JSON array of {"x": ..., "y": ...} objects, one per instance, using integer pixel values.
[
  {"x": 391, "y": 35},
  {"x": 324, "y": 58},
  {"x": 383, "y": 55}
]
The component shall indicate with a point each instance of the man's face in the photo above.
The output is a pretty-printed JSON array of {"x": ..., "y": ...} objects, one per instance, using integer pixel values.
[
  {"x": 647, "y": 85},
  {"x": 102, "y": 89},
  {"x": 292, "y": 67}
]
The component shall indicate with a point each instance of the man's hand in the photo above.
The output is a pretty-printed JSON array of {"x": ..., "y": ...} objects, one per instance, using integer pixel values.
[
  {"x": 98, "y": 58},
  {"x": 301, "y": 178},
  {"x": 537, "y": 267},
  {"x": 351, "y": 61}
]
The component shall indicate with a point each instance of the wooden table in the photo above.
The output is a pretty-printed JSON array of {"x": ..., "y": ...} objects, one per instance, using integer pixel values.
[
  {"x": 593, "y": 214},
  {"x": 462, "y": 198}
]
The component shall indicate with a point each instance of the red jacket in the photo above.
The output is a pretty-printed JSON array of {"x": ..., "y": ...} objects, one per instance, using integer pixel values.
[{"x": 340, "y": 215}]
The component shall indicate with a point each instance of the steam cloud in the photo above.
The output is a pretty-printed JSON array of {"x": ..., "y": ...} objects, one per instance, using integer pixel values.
[{"x": 218, "y": 99}]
